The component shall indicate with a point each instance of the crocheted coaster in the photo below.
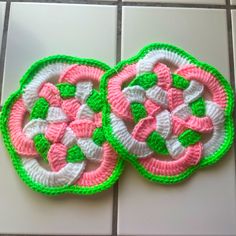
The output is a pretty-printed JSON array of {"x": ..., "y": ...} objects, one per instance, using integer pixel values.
[
  {"x": 167, "y": 113},
  {"x": 52, "y": 128}
]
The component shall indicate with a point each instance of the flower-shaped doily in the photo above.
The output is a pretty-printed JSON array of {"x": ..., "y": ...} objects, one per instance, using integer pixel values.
[
  {"x": 167, "y": 113},
  {"x": 53, "y": 130}
]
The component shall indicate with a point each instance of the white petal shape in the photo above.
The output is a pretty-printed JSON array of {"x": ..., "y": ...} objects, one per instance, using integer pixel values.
[
  {"x": 174, "y": 147},
  {"x": 48, "y": 73},
  {"x": 215, "y": 142},
  {"x": 34, "y": 127},
  {"x": 83, "y": 90},
  {"x": 56, "y": 114},
  {"x": 147, "y": 63},
  {"x": 69, "y": 137},
  {"x": 215, "y": 112},
  {"x": 67, "y": 175},
  {"x": 182, "y": 111},
  {"x": 134, "y": 94},
  {"x": 90, "y": 149},
  {"x": 158, "y": 95},
  {"x": 193, "y": 92},
  {"x": 163, "y": 123},
  {"x": 121, "y": 133},
  {"x": 85, "y": 112}
]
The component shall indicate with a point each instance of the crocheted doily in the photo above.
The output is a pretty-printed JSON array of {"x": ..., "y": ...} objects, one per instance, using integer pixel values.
[
  {"x": 52, "y": 128},
  {"x": 167, "y": 113}
]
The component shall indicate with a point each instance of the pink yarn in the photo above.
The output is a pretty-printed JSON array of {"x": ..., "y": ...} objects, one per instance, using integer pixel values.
[
  {"x": 191, "y": 72},
  {"x": 191, "y": 156},
  {"x": 24, "y": 146},
  {"x": 164, "y": 75},
  {"x": 76, "y": 73},
  {"x": 55, "y": 131},
  {"x": 144, "y": 128},
  {"x": 83, "y": 128},
  {"x": 51, "y": 94}
]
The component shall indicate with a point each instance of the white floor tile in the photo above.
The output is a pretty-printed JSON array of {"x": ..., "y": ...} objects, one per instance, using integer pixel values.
[
  {"x": 2, "y": 15},
  {"x": 205, "y": 203},
  {"x": 233, "y": 2},
  {"x": 220, "y": 2},
  {"x": 39, "y": 30},
  {"x": 35, "y": 31}
]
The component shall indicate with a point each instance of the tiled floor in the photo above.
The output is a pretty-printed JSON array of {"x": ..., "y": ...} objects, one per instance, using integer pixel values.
[
  {"x": 220, "y": 2},
  {"x": 2, "y": 15},
  {"x": 205, "y": 204}
]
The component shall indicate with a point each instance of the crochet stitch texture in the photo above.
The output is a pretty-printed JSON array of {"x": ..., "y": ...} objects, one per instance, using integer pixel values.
[
  {"x": 167, "y": 113},
  {"x": 54, "y": 119},
  {"x": 164, "y": 111}
]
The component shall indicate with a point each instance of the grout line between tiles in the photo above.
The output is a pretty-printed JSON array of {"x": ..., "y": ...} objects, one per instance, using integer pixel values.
[
  {"x": 231, "y": 60},
  {"x": 176, "y": 5},
  {"x": 118, "y": 58},
  {"x": 54, "y": 235},
  {"x": 77, "y": 2},
  {"x": 4, "y": 43},
  {"x": 143, "y": 4}
]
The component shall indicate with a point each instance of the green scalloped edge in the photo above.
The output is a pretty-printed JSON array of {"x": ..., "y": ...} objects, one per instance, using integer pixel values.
[
  {"x": 209, "y": 160},
  {"x": 16, "y": 159}
]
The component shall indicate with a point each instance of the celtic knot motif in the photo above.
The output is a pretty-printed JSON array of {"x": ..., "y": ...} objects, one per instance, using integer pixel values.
[
  {"x": 166, "y": 112},
  {"x": 73, "y": 122},
  {"x": 64, "y": 127}
]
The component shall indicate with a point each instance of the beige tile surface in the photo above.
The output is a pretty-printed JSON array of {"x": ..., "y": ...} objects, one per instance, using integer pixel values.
[
  {"x": 73, "y": 29},
  {"x": 34, "y": 33},
  {"x": 221, "y": 2},
  {"x": 2, "y": 14},
  {"x": 205, "y": 204},
  {"x": 233, "y": 2}
]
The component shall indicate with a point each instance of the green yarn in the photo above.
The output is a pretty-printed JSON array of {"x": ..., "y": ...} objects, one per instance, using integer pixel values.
[
  {"x": 75, "y": 154},
  {"x": 146, "y": 80},
  {"x": 138, "y": 111},
  {"x": 198, "y": 107},
  {"x": 98, "y": 136},
  {"x": 16, "y": 158},
  {"x": 132, "y": 158},
  {"x": 40, "y": 109},
  {"x": 95, "y": 101},
  {"x": 42, "y": 145},
  {"x": 179, "y": 82},
  {"x": 157, "y": 143},
  {"x": 189, "y": 137},
  {"x": 67, "y": 90}
]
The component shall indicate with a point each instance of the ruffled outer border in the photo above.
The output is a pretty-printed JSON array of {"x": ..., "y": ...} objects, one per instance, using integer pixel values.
[
  {"x": 15, "y": 157},
  {"x": 210, "y": 160}
]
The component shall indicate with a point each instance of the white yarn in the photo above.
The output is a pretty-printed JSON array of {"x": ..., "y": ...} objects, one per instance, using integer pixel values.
[
  {"x": 164, "y": 124},
  {"x": 34, "y": 127},
  {"x": 147, "y": 63},
  {"x": 83, "y": 90},
  {"x": 120, "y": 132},
  {"x": 134, "y": 94},
  {"x": 174, "y": 147},
  {"x": 48, "y": 73},
  {"x": 85, "y": 112},
  {"x": 56, "y": 114},
  {"x": 67, "y": 175},
  {"x": 158, "y": 95},
  {"x": 182, "y": 111},
  {"x": 69, "y": 137},
  {"x": 193, "y": 92},
  {"x": 215, "y": 112},
  {"x": 91, "y": 150},
  {"x": 215, "y": 142}
]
